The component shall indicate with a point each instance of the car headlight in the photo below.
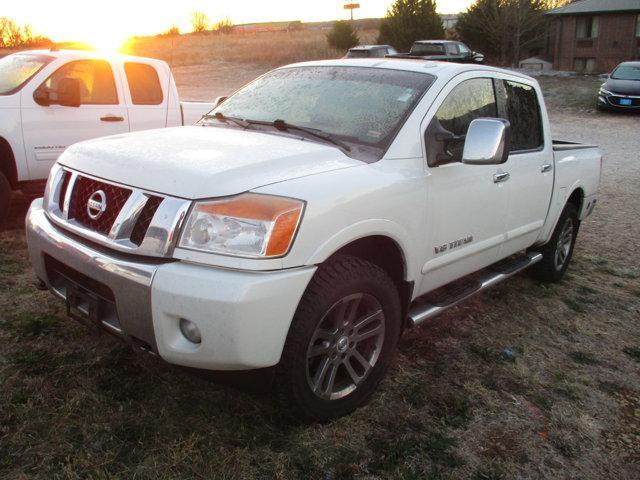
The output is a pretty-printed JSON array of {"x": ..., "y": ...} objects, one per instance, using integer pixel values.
[
  {"x": 248, "y": 225},
  {"x": 605, "y": 92}
]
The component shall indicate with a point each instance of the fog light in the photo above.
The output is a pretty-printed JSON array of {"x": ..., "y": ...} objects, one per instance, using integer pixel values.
[{"x": 190, "y": 330}]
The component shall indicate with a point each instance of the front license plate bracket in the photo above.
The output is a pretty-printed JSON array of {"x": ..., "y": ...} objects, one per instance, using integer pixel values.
[{"x": 83, "y": 306}]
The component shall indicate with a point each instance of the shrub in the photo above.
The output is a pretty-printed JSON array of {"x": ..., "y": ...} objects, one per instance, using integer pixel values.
[
  {"x": 342, "y": 36},
  {"x": 408, "y": 21}
]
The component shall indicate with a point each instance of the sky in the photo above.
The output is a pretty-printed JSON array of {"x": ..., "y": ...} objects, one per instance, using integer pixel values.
[{"x": 101, "y": 22}]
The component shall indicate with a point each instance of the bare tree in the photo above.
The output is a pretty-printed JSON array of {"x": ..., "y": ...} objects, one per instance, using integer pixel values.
[
  {"x": 10, "y": 33},
  {"x": 13, "y": 35},
  {"x": 224, "y": 26},
  {"x": 505, "y": 28},
  {"x": 199, "y": 22}
]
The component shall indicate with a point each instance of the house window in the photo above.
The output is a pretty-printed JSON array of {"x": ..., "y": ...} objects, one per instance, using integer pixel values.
[{"x": 587, "y": 27}]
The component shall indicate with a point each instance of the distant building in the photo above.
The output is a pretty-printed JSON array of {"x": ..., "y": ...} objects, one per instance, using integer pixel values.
[
  {"x": 268, "y": 27},
  {"x": 595, "y": 35}
]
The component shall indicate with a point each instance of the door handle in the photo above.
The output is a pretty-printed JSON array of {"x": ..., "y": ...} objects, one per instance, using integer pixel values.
[
  {"x": 112, "y": 118},
  {"x": 546, "y": 168},
  {"x": 501, "y": 177}
]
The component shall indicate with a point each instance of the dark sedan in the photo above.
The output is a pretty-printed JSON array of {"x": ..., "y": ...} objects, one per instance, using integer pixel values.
[{"x": 621, "y": 91}]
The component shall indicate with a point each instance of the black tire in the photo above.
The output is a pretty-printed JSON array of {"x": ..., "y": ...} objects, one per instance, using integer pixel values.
[
  {"x": 345, "y": 287},
  {"x": 5, "y": 198},
  {"x": 555, "y": 262}
]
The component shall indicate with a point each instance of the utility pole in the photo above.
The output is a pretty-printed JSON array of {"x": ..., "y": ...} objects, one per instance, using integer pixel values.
[{"x": 351, "y": 7}]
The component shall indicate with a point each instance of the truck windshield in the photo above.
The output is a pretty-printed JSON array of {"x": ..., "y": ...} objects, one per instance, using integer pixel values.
[
  {"x": 626, "y": 72},
  {"x": 428, "y": 48},
  {"x": 357, "y": 105},
  {"x": 17, "y": 70}
]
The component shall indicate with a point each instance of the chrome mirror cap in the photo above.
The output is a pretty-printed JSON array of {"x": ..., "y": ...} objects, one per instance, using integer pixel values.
[{"x": 487, "y": 142}]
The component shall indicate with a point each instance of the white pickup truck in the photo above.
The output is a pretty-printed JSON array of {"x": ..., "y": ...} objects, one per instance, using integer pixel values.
[
  {"x": 52, "y": 99},
  {"x": 311, "y": 218}
]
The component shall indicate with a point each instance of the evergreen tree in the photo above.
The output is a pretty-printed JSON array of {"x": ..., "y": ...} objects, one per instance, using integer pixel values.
[
  {"x": 342, "y": 36},
  {"x": 410, "y": 20}
]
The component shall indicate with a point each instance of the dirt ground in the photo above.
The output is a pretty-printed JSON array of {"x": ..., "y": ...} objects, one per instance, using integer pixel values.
[{"x": 526, "y": 381}]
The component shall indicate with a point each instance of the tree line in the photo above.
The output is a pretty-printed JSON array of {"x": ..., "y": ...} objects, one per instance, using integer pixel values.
[
  {"x": 13, "y": 35},
  {"x": 501, "y": 29}
]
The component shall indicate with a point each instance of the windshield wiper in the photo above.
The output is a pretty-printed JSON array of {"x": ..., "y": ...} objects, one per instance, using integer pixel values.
[
  {"x": 223, "y": 118},
  {"x": 284, "y": 126}
]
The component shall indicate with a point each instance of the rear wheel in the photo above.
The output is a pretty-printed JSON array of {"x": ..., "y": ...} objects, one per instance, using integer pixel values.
[
  {"x": 5, "y": 198},
  {"x": 557, "y": 253},
  {"x": 342, "y": 339}
]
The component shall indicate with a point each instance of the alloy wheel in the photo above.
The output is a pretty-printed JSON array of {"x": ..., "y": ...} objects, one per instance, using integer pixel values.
[
  {"x": 563, "y": 247},
  {"x": 345, "y": 346}
]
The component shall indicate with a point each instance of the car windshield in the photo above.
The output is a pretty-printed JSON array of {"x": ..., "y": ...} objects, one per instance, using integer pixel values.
[
  {"x": 626, "y": 72},
  {"x": 359, "y": 54},
  {"x": 17, "y": 70},
  {"x": 428, "y": 48},
  {"x": 362, "y": 106}
]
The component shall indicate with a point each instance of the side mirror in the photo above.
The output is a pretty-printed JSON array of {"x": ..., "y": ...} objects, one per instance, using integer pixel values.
[
  {"x": 219, "y": 101},
  {"x": 478, "y": 57},
  {"x": 68, "y": 92},
  {"x": 41, "y": 96},
  {"x": 488, "y": 142}
]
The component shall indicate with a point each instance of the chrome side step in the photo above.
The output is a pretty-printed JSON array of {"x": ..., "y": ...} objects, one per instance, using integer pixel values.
[{"x": 440, "y": 300}]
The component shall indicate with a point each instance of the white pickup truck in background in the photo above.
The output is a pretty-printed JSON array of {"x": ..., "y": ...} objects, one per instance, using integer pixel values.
[
  {"x": 311, "y": 217},
  {"x": 52, "y": 99}
]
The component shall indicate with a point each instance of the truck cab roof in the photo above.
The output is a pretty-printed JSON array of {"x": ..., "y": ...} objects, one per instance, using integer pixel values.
[{"x": 89, "y": 54}]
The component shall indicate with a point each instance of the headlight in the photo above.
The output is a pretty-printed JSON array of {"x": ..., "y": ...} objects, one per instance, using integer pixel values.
[
  {"x": 605, "y": 92},
  {"x": 249, "y": 225}
]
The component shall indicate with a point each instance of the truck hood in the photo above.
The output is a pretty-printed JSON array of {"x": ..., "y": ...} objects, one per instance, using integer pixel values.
[{"x": 202, "y": 162}]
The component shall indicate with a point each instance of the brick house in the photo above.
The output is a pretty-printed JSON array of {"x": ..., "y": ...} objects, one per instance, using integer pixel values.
[{"x": 593, "y": 36}]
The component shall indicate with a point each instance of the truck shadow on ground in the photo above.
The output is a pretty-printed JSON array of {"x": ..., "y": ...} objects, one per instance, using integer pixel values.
[{"x": 17, "y": 212}]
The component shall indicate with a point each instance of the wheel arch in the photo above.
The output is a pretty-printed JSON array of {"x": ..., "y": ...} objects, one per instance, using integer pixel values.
[
  {"x": 386, "y": 253},
  {"x": 577, "y": 198},
  {"x": 8, "y": 162}
]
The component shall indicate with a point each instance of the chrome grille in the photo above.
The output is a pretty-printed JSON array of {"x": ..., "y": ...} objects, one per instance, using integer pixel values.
[
  {"x": 82, "y": 191},
  {"x": 142, "y": 225},
  {"x": 134, "y": 221}
]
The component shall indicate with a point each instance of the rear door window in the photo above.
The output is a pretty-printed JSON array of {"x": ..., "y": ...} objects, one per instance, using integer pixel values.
[
  {"x": 144, "y": 84},
  {"x": 97, "y": 85},
  {"x": 523, "y": 112}
]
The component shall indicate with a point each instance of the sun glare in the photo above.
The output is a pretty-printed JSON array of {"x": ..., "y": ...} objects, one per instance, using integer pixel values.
[{"x": 107, "y": 43}]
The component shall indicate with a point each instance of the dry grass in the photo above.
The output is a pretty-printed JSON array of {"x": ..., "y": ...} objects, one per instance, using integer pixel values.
[
  {"x": 455, "y": 405},
  {"x": 261, "y": 48}
]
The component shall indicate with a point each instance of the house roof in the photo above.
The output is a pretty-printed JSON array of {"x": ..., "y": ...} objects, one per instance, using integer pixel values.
[{"x": 582, "y": 7}]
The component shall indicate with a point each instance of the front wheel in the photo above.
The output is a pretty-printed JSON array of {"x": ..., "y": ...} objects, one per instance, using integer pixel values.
[
  {"x": 557, "y": 253},
  {"x": 342, "y": 339}
]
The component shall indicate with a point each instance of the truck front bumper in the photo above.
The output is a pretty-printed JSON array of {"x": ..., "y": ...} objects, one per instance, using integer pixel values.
[{"x": 243, "y": 316}]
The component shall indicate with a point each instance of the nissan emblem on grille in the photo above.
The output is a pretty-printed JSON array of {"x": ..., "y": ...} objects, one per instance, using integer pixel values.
[{"x": 96, "y": 205}]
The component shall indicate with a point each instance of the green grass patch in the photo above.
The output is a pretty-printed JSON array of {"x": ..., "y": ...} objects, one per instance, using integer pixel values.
[
  {"x": 577, "y": 304},
  {"x": 619, "y": 272},
  {"x": 30, "y": 325},
  {"x": 583, "y": 358},
  {"x": 633, "y": 352},
  {"x": 396, "y": 454},
  {"x": 492, "y": 471},
  {"x": 34, "y": 362}
]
